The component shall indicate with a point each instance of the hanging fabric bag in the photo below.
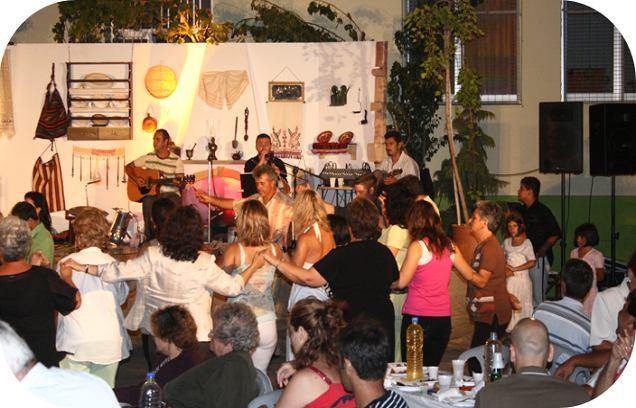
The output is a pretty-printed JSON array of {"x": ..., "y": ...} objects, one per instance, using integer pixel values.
[{"x": 53, "y": 121}]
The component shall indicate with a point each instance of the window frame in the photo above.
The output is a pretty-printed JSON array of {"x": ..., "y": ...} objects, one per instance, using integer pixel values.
[{"x": 618, "y": 67}]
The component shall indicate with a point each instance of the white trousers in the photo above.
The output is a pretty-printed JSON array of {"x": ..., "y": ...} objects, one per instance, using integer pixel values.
[{"x": 266, "y": 345}]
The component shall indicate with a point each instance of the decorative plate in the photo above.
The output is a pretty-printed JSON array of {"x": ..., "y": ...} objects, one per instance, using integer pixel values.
[{"x": 97, "y": 76}]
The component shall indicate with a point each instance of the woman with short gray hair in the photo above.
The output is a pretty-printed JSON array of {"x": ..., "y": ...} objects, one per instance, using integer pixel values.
[
  {"x": 29, "y": 294},
  {"x": 229, "y": 380}
]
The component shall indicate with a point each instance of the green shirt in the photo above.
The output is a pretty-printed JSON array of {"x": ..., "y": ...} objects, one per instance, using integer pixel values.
[{"x": 41, "y": 240}]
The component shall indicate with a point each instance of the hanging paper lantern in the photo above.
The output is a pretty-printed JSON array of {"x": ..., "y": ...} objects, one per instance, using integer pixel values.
[
  {"x": 149, "y": 124},
  {"x": 160, "y": 81}
]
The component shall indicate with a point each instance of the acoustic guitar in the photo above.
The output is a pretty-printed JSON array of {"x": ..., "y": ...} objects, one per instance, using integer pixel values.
[{"x": 154, "y": 180}]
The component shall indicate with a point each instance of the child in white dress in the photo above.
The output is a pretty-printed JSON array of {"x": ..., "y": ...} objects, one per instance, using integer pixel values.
[{"x": 519, "y": 258}]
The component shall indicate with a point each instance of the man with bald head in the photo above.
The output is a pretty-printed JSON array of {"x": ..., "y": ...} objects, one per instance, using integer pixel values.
[{"x": 531, "y": 386}]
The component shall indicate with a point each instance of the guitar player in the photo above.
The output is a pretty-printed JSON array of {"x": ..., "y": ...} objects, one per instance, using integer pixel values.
[
  {"x": 170, "y": 166},
  {"x": 397, "y": 164}
]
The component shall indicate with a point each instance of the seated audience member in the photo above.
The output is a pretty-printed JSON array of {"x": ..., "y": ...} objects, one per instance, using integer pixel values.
[
  {"x": 340, "y": 229},
  {"x": 252, "y": 228},
  {"x": 622, "y": 348},
  {"x": 606, "y": 308},
  {"x": 364, "y": 186},
  {"x": 41, "y": 207},
  {"x": 41, "y": 238},
  {"x": 359, "y": 274},
  {"x": 31, "y": 295},
  {"x": 175, "y": 336},
  {"x": 585, "y": 239},
  {"x": 229, "y": 379},
  {"x": 94, "y": 335},
  {"x": 596, "y": 359},
  {"x": 363, "y": 365},
  {"x": 567, "y": 323},
  {"x": 315, "y": 380},
  {"x": 62, "y": 388},
  {"x": 531, "y": 386},
  {"x": 175, "y": 272}
]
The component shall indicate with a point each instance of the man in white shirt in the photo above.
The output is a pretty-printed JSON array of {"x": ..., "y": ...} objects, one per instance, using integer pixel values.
[
  {"x": 59, "y": 387},
  {"x": 397, "y": 163},
  {"x": 607, "y": 305}
]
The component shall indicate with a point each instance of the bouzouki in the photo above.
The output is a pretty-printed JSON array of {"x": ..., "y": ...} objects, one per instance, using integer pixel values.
[{"x": 154, "y": 180}]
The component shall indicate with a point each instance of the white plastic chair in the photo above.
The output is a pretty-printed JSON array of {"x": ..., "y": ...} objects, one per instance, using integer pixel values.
[
  {"x": 268, "y": 400},
  {"x": 579, "y": 376},
  {"x": 479, "y": 353},
  {"x": 263, "y": 382}
]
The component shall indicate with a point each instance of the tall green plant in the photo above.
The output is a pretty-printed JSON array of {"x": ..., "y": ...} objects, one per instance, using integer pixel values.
[
  {"x": 475, "y": 176},
  {"x": 413, "y": 100},
  {"x": 440, "y": 25},
  {"x": 278, "y": 24},
  {"x": 95, "y": 21}
]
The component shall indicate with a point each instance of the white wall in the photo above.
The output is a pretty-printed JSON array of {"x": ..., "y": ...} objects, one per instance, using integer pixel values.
[{"x": 183, "y": 113}]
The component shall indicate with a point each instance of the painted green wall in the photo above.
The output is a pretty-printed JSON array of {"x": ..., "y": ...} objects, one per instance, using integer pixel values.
[{"x": 600, "y": 215}]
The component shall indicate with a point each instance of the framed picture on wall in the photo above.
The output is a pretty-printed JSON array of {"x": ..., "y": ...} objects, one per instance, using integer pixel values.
[{"x": 286, "y": 91}]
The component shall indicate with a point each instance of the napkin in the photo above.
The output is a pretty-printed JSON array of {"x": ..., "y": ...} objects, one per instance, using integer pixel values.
[{"x": 451, "y": 393}]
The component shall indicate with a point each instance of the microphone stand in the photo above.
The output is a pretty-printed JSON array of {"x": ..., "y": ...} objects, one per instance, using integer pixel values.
[{"x": 296, "y": 170}]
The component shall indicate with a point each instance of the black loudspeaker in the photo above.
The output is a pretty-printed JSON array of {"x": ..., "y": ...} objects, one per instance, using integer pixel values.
[
  {"x": 612, "y": 139},
  {"x": 561, "y": 137}
]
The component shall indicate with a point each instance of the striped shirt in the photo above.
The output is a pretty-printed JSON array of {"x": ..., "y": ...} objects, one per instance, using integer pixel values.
[
  {"x": 568, "y": 325},
  {"x": 389, "y": 400},
  {"x": 169, "y": 166}
]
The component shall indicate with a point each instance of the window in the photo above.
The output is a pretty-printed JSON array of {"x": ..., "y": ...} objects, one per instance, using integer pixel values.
[
  {"x": 598, "y": 63},
  {"x": 493, "y": 56}
]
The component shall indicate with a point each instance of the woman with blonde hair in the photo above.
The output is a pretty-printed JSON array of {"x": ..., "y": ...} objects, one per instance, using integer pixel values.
[
  {"x": 253, "y": 231},
  {"x": 314, "y": 240},
  {"x": 94, "y": 335}
]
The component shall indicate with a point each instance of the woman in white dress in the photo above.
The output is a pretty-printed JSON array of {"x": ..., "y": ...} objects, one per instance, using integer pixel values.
[
  {"x": 585, "y": 239},
  {"x": 253, "y": 232},
  {"x": 519, "y": 258}
]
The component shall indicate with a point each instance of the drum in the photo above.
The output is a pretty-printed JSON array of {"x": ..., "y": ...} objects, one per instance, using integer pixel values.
[{"x": 120, "y": 226}]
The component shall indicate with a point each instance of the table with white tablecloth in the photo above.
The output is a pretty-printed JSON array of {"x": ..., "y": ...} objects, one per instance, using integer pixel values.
[{"x": 421, "y": 400}]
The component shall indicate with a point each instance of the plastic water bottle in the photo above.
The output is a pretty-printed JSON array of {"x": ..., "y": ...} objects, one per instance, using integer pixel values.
[
  {"x": 497, "y": 367},
  {"x": 493, "y": 345},
  {"x": 414, "y": 351},
  {"x": 150, "y": 396}
]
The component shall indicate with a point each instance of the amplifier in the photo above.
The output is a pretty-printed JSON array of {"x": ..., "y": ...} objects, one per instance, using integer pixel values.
[{"x": 348, "y": 173}]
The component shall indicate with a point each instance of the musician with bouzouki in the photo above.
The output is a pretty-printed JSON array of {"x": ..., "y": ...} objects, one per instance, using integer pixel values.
[
  {"x": 155, "y": 175},
  {"x": 397, "y": 164}
]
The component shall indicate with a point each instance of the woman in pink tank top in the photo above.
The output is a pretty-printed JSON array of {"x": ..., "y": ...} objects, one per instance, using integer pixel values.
[
  {"x": 314, "y": 326},
  {"x": 426, "y": 271}
]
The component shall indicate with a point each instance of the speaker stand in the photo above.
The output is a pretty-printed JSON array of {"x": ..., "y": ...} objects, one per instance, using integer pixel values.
[
  {"x": 613, "y": 233},
  {"x": 557, "y": 287}
]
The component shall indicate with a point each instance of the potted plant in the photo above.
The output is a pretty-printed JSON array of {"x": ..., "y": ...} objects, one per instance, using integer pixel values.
[
  {"x": 471, "y": 158},
  {"x": 413, "y": 100}
]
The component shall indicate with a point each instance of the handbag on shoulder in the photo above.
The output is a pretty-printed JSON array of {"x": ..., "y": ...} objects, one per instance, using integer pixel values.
[{"x": 54, "y": 121}]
